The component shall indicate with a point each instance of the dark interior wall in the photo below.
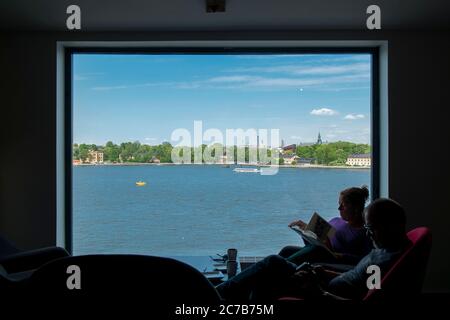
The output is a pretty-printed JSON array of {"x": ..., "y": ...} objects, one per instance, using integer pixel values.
[
  {"x": 27, "y": 162},
  {"x": 418, "y": 100}
]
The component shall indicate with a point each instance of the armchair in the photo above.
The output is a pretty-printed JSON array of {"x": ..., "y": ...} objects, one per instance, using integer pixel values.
[
  {"x": 14, "y": 260},
  {"x": 156, "y": 278}
]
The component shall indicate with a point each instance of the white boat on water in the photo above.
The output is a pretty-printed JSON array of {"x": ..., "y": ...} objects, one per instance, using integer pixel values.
[{"x": 249, "y": 170}]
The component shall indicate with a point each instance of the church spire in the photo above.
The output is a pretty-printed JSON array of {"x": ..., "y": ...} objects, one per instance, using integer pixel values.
[{"x": 319, "y": 139}]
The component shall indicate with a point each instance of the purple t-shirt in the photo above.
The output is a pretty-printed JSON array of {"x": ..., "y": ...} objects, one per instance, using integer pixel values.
[{"x": 349, "y": 240}]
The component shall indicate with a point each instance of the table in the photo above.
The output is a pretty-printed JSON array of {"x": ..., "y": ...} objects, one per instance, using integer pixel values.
[{"x": 206, "y": 265}]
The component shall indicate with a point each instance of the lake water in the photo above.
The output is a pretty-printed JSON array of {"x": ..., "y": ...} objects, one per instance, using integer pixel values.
[{"x": 199, "y": 210}]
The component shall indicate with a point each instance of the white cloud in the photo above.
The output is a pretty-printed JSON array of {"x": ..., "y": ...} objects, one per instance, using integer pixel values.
[
  {"x": 186, "y": 85},
  {"x": 296, "y": 137},
  {"x": 86, "y": 76},
  {"x": 78, "y": 77},
  {"x": 319, "y": 58},
  {"x": 273, "y": 56},
  {"x": 353, "y": 116},
  {"x": 239, "y": 81},
  {"x": 139, "y": 85},
  {"x": 250, "y": 82},
  {"x": 339, "y": 89},
  {"x": 311, "y": 70},
  {"x": 150, "y": 139},
  {"x": 357, "y": 67},
  {"x": 256, "y": 82},
  {"x": 323, "y": 112},
  {"x": 110, "y": 88},
  {"x": 233, "y": 79}
]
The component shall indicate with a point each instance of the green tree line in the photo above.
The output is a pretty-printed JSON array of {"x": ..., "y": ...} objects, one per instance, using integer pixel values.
[
  {"x": 142, "y": 153},
  {"x": 125, "y": 152},
  {"x": 334, "y": 153}
]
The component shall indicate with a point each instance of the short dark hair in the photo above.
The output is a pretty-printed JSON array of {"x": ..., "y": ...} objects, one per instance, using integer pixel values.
[{"x": 387, "y": 213}]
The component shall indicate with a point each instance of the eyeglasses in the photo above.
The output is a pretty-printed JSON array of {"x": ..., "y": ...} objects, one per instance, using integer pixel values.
[{"x": 369, "y": 229}]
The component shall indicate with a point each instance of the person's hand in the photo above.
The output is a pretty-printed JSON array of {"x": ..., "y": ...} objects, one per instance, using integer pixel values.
[
  {"x": 299, "y": 223},
  {"x": 305, "y": 278},
  {"x": 318, "y": 269},
  {"x": 324, "y": 274},
  {"x": 307, "y": 282},
  {"x": 339, "y": 256}
]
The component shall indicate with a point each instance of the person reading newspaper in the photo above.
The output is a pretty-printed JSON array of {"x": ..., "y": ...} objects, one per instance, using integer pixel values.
[
  {"x": 316, "y": 233},
  {"x": 341, "y": 240}
]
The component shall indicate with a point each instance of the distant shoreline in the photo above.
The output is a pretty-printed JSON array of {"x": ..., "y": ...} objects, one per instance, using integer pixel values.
[{"x": 312, "y": 166}]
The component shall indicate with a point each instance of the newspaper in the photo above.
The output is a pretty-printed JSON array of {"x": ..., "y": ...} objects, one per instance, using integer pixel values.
[{"x": 317, "y": 232}]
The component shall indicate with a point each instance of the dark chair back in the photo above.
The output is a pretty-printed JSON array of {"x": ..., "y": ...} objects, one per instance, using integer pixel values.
[
  {"x": 6, "y": 248},
  {"x": 155, "y": 278}
]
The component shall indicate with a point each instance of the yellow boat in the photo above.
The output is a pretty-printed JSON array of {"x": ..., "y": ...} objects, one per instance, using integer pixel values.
[{"x": 141, "y": 183}]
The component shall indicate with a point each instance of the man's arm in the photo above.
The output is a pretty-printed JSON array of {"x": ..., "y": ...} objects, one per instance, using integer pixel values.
[{"x": 339, "y": 287}]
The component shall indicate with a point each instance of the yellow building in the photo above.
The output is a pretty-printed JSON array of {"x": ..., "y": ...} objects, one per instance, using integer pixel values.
[
  {"x": 359, "y": 160},
  {"x": 95, "y": 157}
]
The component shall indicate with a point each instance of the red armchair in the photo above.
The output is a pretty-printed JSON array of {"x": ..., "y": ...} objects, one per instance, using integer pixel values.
[{"x": 405, "y": 277}]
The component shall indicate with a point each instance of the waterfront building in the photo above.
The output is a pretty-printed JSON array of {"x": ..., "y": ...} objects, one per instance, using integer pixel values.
[
  {"x": 289, "y": 158},
  {"x": 95, "y": 157},
  {"x": 359, "y": 160},
  {"x": 305, "y": 161},
  {"x": 289, "y": 148},
  {"x": 155, "y": 160}
]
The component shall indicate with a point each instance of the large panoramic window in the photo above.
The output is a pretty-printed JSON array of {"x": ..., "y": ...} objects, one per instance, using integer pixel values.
[{"x": 166, "y": 148}]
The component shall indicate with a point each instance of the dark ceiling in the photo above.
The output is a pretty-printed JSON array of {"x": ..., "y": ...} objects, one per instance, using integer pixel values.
[{"x": 190, "y": 15}]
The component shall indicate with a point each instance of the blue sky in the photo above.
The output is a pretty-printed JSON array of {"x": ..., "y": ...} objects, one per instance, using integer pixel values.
[{"x": 145, "y": 97}]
